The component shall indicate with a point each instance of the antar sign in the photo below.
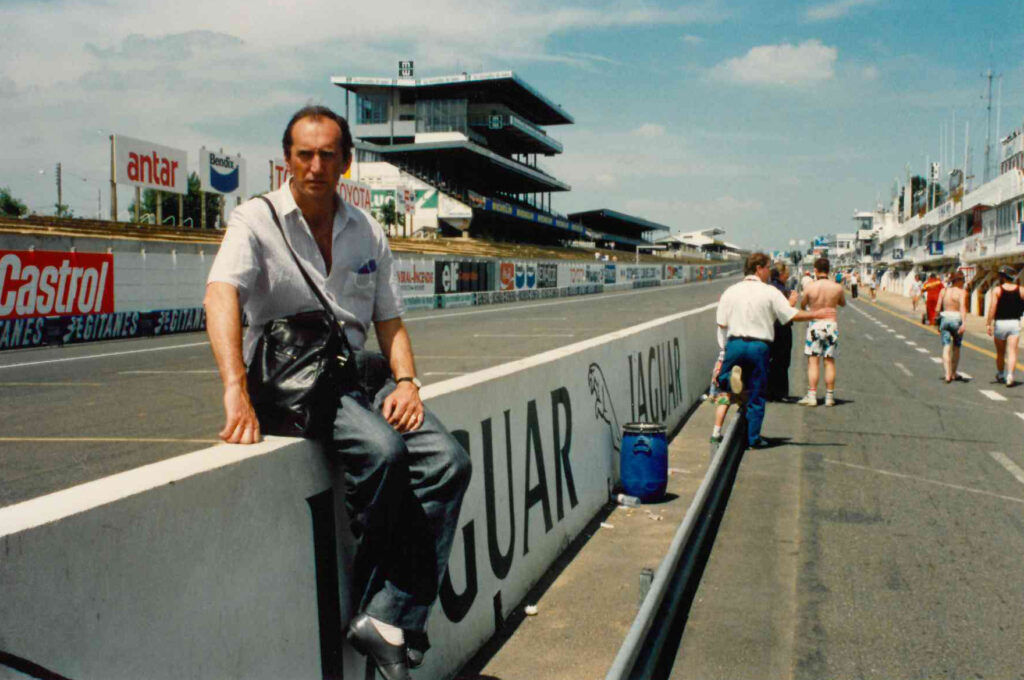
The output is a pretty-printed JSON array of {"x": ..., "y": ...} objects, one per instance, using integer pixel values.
[
  {"x": 149, "y": 165},
  {"x": 40, "y": 283}
]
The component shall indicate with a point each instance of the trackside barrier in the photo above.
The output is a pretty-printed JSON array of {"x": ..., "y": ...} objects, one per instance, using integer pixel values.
[
  {"x": 652, "y": 643},
  {"x": 231, "y": 562},
  {"x": 134, "y": 293}
]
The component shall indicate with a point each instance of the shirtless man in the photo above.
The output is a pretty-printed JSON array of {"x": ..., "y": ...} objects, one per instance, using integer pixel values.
[
  {"x": 822, "y": 336},
  {"x": 952, "y": 316}
]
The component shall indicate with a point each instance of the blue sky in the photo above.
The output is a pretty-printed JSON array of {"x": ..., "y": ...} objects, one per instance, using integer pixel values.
[{"x": 771, "y": 120}]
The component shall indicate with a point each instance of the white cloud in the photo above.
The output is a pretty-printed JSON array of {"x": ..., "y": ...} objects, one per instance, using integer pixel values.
[
  {"x": 693, "y": 39},
  {"x": 649, "y": 131},
  {"x": 870, "y": 73},
  {"x": 786, "y": 64},
  {"x": 834, "y": 10},
  {"x": 687, "y": 215},
  {"x": 229, "y": 73}
]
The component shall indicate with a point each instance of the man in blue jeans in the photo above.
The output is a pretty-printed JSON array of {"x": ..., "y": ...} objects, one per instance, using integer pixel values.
[
  {"x": 748, "y": 311},
  {"x": 405, "y": 474}
]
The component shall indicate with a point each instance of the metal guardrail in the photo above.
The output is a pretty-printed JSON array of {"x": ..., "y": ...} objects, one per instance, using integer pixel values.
[{"x": 651, "y": 646}]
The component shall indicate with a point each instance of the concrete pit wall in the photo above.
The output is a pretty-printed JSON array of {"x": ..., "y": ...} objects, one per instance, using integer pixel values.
[{"x": 230, "y": 562}]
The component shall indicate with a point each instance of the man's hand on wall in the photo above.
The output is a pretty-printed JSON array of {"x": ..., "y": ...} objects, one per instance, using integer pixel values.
[
  {"x": 403, "y": 408},
  {"x": 240, "y": 424}
]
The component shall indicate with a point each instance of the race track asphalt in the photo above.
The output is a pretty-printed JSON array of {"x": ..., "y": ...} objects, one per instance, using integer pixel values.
[
  {"x": 879, "y": 539},
  {"x": 79, "y": 413}
]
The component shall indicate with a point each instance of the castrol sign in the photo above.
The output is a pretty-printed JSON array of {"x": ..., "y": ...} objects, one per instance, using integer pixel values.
[
  {"x": 42, "y": 283},
  {"x": 149, "y": 165}
]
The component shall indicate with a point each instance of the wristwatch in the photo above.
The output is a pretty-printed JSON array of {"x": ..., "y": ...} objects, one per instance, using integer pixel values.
[{"x": 410, "y": 378}]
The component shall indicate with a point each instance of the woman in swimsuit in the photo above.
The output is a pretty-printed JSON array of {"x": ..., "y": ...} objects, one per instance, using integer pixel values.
[{"x": 1004, "y": 312}]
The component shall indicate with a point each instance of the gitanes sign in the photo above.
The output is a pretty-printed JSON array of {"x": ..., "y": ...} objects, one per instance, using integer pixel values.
[
  {"x": 221, "y": 173},
  {"x": 151, "y": 166},
  {"x": 41, "y": 283}
]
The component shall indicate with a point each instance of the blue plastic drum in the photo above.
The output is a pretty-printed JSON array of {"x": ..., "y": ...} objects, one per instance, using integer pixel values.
[{"x": 643, "y": 461}]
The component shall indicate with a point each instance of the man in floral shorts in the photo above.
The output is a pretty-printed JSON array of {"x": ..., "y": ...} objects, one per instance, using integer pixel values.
[{"x": 822, "y": 336}]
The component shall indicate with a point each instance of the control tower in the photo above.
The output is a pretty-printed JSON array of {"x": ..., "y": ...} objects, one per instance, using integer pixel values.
[{"x": 476, "y": 138}]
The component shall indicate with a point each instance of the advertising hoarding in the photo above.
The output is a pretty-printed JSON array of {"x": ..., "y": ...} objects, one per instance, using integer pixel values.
[
  {"x": 150, "y": 166},
  {"x": 507, "y": 276},
  {"x": 359, "y": 195},
  {"x": 44, "y": 283},
  {"x": 415, "y": 277},
  {"x": 279, "y": 174},
  {"x": 221, "y": 173},
  {"x": 547, "y": 275},
  {"x": 355, "y": 193},
  {"x": 675, "y": 272},
  {"x": 461, "y": 276}
]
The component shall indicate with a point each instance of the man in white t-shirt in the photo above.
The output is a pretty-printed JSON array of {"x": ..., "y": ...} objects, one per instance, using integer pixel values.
[{"x": 748, "y": 311}]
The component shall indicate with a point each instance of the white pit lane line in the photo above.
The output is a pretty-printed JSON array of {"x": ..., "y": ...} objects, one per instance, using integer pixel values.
[
  {"x": 105, "y": 354},
  {"x": 904, "y": 369},
  {"x": 869, "y": 337},
  {"x": 1010, "y": 466},
  {"x": 922, "y": 350},
  {"x": 994, "y": 396}
]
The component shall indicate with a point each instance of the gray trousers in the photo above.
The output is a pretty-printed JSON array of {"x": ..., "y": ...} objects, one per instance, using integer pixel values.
[{"x": 403, "y": 494}]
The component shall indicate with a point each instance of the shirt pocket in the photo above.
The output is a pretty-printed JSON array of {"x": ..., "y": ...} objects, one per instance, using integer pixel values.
[
  {"x": 365, "y": 282},
  {"x": 366, "y": 274}
]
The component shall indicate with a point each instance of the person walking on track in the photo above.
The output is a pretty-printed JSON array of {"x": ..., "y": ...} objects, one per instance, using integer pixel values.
[
  {"x": 782, "y": 346},
  {"x": 1003, "y": 323},
  {"x": 822, "y": 336},
  {"x": 930, "y": 289},
  {"x": 952, "y": 322}
]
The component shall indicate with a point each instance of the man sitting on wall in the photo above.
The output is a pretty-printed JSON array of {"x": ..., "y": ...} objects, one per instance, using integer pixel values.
[{"x": 405, "y": 474}]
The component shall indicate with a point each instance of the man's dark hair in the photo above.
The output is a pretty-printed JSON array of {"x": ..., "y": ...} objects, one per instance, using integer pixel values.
[
  {"x": 822, "y": 265},
  {"x": 753, "y": 262},
  {"x": 316, "y": 111}
]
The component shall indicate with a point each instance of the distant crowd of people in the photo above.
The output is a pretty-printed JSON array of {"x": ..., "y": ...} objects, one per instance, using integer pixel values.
[
  {"x": 946, "y": 305},
  {"x": 755, "y": 333}
]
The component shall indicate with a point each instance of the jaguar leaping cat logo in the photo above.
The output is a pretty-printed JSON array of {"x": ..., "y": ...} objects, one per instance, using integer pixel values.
[{"x": 604, "y": 406}]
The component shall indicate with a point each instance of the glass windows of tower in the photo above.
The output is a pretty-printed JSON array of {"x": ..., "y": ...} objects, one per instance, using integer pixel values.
[
  {"x": 372, "y": 108},
  {"x": 441, "y": 115}
]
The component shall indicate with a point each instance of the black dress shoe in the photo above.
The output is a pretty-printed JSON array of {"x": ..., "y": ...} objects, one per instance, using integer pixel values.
[
  {"x": 414, "y": 657},
  {"x": 391, "y": 659}
]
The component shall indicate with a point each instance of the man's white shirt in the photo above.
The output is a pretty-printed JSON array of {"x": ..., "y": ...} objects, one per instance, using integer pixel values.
[
  {"x": 750, "y": 308},
  {"x": 361, "y": 287}
]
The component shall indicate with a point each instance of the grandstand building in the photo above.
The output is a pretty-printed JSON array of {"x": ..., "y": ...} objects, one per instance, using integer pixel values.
[
  {"x": 470, "y": 143},
  {"x": 617, "y": 230}
]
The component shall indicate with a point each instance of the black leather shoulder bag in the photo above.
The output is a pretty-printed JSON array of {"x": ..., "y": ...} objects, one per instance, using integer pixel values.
[{"x": 302, "y": 364}]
